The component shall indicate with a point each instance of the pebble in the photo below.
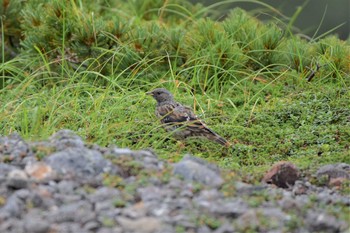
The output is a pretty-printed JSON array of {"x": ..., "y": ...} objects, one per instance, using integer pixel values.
[
  {"x": 35, "y": 224},
  {"x": 38, "y": 170},
  {"x": 67, "y": 192},
  {"x": 282, "y": 174},
  {"x": 144, "y": 224},
  {"x": 17, "y": 179},
  {"x": 195, "y": 169}
]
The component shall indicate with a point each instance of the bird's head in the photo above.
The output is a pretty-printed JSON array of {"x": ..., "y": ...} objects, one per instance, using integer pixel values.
[{"x": 161, "y": 95}]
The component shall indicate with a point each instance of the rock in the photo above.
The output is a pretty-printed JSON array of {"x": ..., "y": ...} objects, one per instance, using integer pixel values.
[
  {"x": 23, "y": 194},
  {"x": 66, "y": 187},
  {"x": 80, "y": 212},
  {"x": 204, "y": 229},
  {"x": 79, "y": 162},
  {"x": 104, "y": 194},
  {"x": 66, "y": 138},
  {"x": 12, "y": 226},
  {"x": 151, "y": 193},
  {"x": 248, "y": 189},
  {"x": 195, "y": 169},
  {"x": 35, "y": 224},
  {"x": 5, "y": 169},
  {"x": 231, "y": 208},
  {"x": 17, "y": 179},
  {"x": 64, "y": 193},
  {"x": 147, "y": 224},
  {"x": 14, "y": 149},
  {"x": 337, "y": 182},
  {"x": 300, "y": 188},
  {"x": 68, "y": 227},
  {"x": 262, "y": 219},
  {"x": 135, "y": 211},
  {"x": 322, "y": 222},
  {"x": 14, "y": 205},
  {"x": 213, "y": 202},
  {"x": 104, "y": 206},
  {"x": 288, "y": 203},
  {"x": 335, "y": 174},
  {"x": 210, "y": 195},
  {"x": 248, "y": 221},
  {"x": 108, "y": 230},
  {"x": 282, "y": 174},
  {"x": 92, "y": 226},
  {"x": 147, "y": 159},
  {"x": 225, "y": 228},
  {"x": 38, "y": 170},
  {"x": 67, "y": 198},
  {"x": 183, "y": 220}
]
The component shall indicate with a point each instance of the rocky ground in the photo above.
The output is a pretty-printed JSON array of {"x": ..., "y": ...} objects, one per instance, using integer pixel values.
[{"x": 64, "y": 185}]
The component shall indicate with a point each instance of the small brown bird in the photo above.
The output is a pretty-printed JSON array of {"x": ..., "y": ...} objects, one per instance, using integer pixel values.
[{"x": 181, "y": 120}]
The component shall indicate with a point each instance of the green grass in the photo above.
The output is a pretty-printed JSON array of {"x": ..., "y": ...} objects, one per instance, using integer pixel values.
[
  {"x": 247, "y": 80},
  {"x": 307, "y": 124}
]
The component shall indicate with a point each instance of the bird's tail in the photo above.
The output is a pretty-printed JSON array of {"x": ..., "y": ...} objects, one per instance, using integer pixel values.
[
  {"x": 217, "y": 138},
  {"x": 221, "y": 141},
  {"x": 198, "y": 128}
]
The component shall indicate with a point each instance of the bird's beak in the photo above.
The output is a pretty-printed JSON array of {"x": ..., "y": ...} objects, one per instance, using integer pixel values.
[{"x": 149, "y": 93}]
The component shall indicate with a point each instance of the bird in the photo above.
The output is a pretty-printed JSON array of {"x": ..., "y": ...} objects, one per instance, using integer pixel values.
[{"x": 180, "y": 119}]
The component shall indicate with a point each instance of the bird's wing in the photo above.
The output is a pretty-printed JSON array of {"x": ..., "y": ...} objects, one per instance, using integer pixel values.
[
  {"x": 175, "y": 116},
  {"x": 179, "y": 115},
  {"x": 175, "y": 113}
]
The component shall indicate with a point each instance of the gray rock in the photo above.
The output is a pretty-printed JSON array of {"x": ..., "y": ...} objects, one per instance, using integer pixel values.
[
  {"x": 147, "y": 159},
  {"x": 208, "y": 196},
  {"x": 225, "y": 228},
  {"x": 204, "y": 229},
  {"x": 14, "y": 205},
  {"x": 14, "y": 148},
  {"x": 67, "y": 198},
  {"x": 248, "y": 189},
  {"x": 35, "y": 224},
  {"x": 152, "y": 193},
  {"x": 276, "y": 216},
  {"x": 144, "y": 225},
  {"x": 104, "y": 206},
  {"x": 17, "y": 179},
  {"x": 5, "y": 169},
  {"x": 213, "y": 202},
  {"x": 300, "y": 188},
  {"x": 288, "y": 203},
  {"x": 195, "y": 169},
  {"x": 79, "y": 162},
  {"x": 318, "y": 221},
  {"x": 92, "y": 226},
  {"x": 339, "y": 170},
  {"x": 231, "y": 208},
  {"x": 150, "y": 203},
  {"x": 23, "y": 194},
  {"x": 66, "y": 138},
  {"x": 183, "y": 219},
  {"x": 107, "y": 230},
  {"x": 68, "y": 227},
  {"x": 66, "y": 186},
  {"x": 103, "y": 194},
  {"x": 262, "y": 220},
  {"x": 79, "y": 212},
  {"x": 13, "y": 225},
  {"x": 135, "y": 211}
]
